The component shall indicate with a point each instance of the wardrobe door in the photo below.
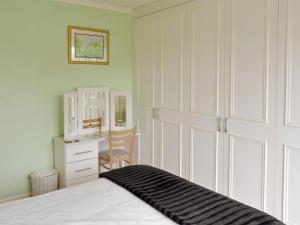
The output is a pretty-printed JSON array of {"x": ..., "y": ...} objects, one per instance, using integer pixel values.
[
  {"x": 144, "y": 60},
  {"x": 288, "y": 125},
  {"x": 206, "y": 28},
  {"x": 170, "y": 95},
  {"x": 251, "y": 99}
]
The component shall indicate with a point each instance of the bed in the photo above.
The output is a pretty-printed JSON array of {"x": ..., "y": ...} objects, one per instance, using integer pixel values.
[{"x": 133, "y": 195}]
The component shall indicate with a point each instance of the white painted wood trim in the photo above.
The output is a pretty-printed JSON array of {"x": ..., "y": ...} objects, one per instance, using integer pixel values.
[
  {"x": 157, "y": 6},
  {"x": 14, "y": 198}
]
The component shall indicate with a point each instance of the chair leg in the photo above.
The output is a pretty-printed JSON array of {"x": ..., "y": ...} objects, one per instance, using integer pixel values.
[{"x": 110, "y": 165}]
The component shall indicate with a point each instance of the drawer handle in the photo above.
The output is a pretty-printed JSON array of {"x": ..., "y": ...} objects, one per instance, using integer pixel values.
[
  {"x": 78, "y": 171},
  {"x": 81, "y": 153}
]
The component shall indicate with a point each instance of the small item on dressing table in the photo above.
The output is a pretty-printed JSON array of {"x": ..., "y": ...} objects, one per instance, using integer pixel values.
[{"x": 71, "y": 141}]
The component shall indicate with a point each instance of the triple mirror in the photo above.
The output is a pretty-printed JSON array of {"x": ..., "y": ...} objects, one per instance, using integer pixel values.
[{"x": 90, "y": 110}]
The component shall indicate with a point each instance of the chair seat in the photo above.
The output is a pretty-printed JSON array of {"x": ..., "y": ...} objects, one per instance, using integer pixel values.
[
  {"x": 116, "y": 154},
  {"x": 121, "y": 149}
]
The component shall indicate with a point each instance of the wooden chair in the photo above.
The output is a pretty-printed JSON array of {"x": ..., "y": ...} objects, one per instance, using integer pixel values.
[{"x": 121, "y": 149}]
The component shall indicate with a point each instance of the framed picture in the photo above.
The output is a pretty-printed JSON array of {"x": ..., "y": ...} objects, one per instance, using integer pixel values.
[{"x": 88, "y": 46}]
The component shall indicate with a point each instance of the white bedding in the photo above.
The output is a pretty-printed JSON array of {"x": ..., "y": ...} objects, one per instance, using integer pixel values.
[{"x": 98, "y": 202}]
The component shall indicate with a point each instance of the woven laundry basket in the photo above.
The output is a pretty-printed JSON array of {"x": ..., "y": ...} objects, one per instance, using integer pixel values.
[{"x": 43, "y": 181}]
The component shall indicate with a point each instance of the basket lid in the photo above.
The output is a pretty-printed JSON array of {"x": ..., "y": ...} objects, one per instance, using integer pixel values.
[{"x": 43, "y": 173}]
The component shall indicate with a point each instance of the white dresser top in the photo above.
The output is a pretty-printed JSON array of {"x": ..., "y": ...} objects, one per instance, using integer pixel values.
[{"x": 82, "y": 140}]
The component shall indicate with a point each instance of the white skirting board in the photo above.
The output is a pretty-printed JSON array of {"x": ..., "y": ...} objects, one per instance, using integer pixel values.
[{"x": 14, "y": 198}]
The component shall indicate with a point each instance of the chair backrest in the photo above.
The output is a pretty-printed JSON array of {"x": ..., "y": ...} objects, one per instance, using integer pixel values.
[{"x": 122, "y": 139}]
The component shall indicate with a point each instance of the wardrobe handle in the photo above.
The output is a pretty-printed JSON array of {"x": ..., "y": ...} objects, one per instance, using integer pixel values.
[
  {"x": 155, "y": 112},
  {"x": 225, "y": 122},
  {"x": 219, "y": 124}
]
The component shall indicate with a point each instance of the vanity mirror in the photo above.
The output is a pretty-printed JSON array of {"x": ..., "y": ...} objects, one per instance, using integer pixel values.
[
  {"x": 121, "y": 110},
  {"x": 70, "y": 115},
  {"x": 93, "y": 110}
]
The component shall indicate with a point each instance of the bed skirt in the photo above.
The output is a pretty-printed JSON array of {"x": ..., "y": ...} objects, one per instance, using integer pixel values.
[{"x": 183, "y": 201}]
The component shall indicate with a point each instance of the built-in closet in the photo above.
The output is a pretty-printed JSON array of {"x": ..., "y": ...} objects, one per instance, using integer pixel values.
[{"x": 218, "y": 100}]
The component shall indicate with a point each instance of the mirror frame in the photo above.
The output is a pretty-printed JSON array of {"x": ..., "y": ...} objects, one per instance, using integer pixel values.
[
  {"x": 81, "y": 92},
  {"x": 69, "y": 135},
  {"x": 129, "y": 110}
]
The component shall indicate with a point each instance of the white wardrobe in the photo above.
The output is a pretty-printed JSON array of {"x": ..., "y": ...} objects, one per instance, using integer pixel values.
[{"x": 218, "y": 99}]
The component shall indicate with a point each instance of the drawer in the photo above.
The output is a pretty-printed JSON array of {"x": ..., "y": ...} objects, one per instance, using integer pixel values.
[
  {"x": 81, "y": 152},
  {"x": 81, "y": 180},
  {"x": 82, "y": 169}
]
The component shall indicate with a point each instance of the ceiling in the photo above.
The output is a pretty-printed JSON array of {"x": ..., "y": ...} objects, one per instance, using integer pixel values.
[{"x": 117, "y": 5}]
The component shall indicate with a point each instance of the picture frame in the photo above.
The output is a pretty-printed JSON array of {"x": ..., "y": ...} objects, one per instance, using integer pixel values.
[{"x": 88, "y": 45}]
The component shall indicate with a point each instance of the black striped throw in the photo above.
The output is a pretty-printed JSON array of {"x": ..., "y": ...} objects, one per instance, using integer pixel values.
[{"x": 183, "y": 201}]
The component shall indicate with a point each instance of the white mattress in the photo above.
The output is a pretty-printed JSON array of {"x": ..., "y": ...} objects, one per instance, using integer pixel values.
[{"x": 98, "y": 202}]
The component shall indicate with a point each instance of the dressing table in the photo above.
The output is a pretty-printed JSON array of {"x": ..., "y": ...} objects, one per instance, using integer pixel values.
[{"x": 88, "y": 113}]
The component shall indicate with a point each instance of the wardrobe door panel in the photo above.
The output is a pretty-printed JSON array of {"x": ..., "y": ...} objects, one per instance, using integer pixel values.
[
  {"x": 170, "y": 95},
  {"x": 293, "y": 65},
  {"x": 204, "y": 150},
  {"x": 206, "y": 28},
  {"x": 291, "y": 129},
  {"x": 171, "y": 29},
  {"x": 144, "y": 60},
  {"x": 144, "y": 50},
  {"x": 249, "y": 58},
  {"x": 205, "y": 55},
  {"x": 242, "y": 152},
  {"x": 288, "y": 109},
  {"x": 291, "y": 185},
  {"x": 146, "y": 145},
  {"x": 171, "y": 147},
  {"x": 251, "y": 102}
]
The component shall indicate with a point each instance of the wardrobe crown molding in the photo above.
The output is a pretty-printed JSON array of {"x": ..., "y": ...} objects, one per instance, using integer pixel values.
[{"x": 156, "y": 6}]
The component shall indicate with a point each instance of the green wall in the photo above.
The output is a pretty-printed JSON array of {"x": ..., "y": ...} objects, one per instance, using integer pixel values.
[{"x": 34, "y": 74}]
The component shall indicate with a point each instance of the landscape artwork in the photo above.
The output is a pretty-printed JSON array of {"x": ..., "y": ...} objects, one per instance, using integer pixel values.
[{"x": 88, "y": 46}]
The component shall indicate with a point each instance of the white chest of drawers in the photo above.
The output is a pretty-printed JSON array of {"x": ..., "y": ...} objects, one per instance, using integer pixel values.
[{"x": 76, "y": 162}]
